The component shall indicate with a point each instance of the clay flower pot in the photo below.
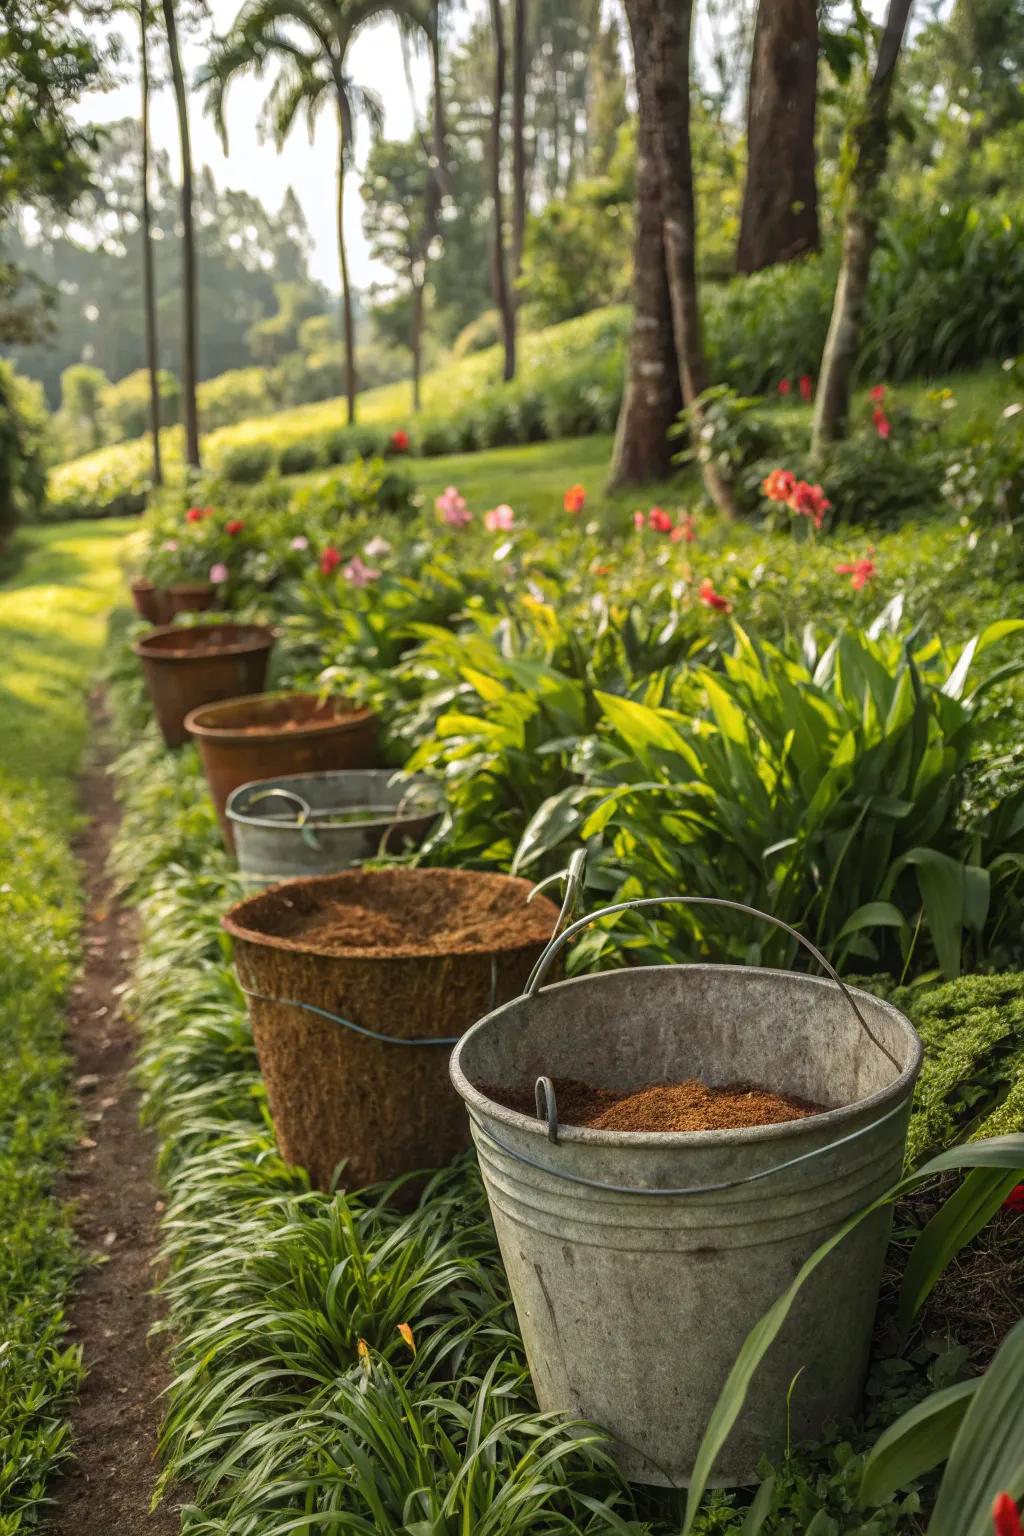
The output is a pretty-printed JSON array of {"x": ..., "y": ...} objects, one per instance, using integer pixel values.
[
  {"x": 272, "y": 734},
  {"x": 191, "y": 596},
  {"x": 184, "y": 668},
  {"x": 413, "y": 955},
  {"x": 151, "y": 603}
]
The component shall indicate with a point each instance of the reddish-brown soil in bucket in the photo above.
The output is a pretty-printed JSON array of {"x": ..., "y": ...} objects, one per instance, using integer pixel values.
[
  {"x": 689, "y": 1105},
  {"x": 408, "y": 913}
]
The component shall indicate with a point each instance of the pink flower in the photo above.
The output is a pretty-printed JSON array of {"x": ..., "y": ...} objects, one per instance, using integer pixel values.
[
  {"x": 574, "y": 499},
  {"x": 300, "y": 541},
  {"x": 659, "y": 520},
  {"x": 170, "y": 545},
  {"x": 685, "y": 530},
  {"x": 500, "y": 520},
  {"x": 883, "y": 426},
  {"x": 234, "y": 526},
  {"x": 358, "y": 574},
  {"x": 453, "y": 509},
  {"x": 712, "y": 599},
  {"x": 219, "y": 573},
  {"x": 860, "y": 572},
  {"x": 784, "y": 387},
  {"x": 877, "y": 393},
  {"x": 329, "y": 560},
  {"x": 806, "y": 387},
  {"x": 639, "y": 519}
]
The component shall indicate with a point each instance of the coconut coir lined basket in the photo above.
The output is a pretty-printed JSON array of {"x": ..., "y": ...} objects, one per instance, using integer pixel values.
[{"x": 412, "y": 954}]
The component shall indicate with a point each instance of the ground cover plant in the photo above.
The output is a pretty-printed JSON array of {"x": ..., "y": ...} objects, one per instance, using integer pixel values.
[{"x": 52, "y": 611}]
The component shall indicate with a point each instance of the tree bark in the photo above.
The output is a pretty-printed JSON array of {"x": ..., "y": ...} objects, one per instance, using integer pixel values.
[
  {"x": 870, "y": 136},
  {"x": 779, "y": 217},
  {"x": 148, "y": 279},
  {"x": 518, "y": 135},
  {"x": 652, "y": 397},
  {"x": 661, "y": 31},
  {"x": 189, "y": 343},
  {"x": 416, "y": 340},
  {"x": 499, "y": 274},
  {"x": 348, "y": 327}
]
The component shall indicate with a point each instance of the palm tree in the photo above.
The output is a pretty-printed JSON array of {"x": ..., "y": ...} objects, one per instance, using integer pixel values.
[{"x": 308, "y": 43}]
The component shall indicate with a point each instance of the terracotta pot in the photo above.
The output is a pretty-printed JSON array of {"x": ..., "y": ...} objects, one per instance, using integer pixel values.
[
  {"x": 268, "y": 735},
  {"x": 151, "y": 603},
  {"x": 457, "y": 942},
  {"x": 184, "y": 668},
  {"x": 191, "y": 596}
]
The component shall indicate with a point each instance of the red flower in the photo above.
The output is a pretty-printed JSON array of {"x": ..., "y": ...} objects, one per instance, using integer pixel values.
[
  {"x": 784, "y": 387},
  {"x": 574, "y": 499},
  {"x": 1014, "y": 1201},
  {"x": 194, "y": 515},
  {"x": 883, "y": 425},
  {"x": 810, "y": 501},
  {"x": 712, "y": 599},
  {"x": 806, "y": 387},
  {"x": 330, "y": 560},
  {"x": 860, "y": 572},
  {"x": 877, "y": 393},
  {"x": 659, "y": 520},
  {"x": 1006, "y": 1516},
  {"x": 779, "y": 485},
  {"x": 685, "y": 530},
  {"x": 400, "y": 441},
  {"x": 234, "y": 526}
]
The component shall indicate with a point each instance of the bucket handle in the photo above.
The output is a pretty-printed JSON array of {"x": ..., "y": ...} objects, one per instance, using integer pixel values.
[{"x": 560, "y": 939}]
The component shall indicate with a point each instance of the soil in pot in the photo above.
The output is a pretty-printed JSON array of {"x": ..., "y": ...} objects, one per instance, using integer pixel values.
[
  {"x": 689, "y": 1105},
  {"x": 415, "y": 955}
]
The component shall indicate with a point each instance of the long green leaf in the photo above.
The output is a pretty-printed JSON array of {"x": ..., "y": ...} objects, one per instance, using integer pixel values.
[
  {"x": 988, "y": 1454},
  {"x": 918, "y": 1441},
  {"x": 996, "y": 1152},
  {"x": 954, "y": 1225}
]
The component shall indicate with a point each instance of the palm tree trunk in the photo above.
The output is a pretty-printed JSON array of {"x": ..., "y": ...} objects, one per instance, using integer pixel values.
[
  {"x": 189, "y": 345},
  {"x": 499, "y": 275},
  {"x": 346, "y": 289},
  {"x": 779, "y": 218},
  {"x": 518, "y": 135},
  {"x": 860, "y": 232},
  {"x": 652, "y": 398},
  {"x": 661, "y": 31},
  {"x": 148, "y": 281}
]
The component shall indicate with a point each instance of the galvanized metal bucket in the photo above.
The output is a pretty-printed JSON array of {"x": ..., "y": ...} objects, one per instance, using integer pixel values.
[
  {"x": 639, "y": 1262},
  {"x": 321, "y": 823}
]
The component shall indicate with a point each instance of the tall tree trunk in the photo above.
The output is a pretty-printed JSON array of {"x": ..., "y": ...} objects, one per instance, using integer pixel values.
[
  {"x": 348, "y": 326},
  {"x": 652, "y": 398},
  {"x": 499, "y": 275},
  {"x": 779, "y": 218},
  {"x": 860, "y": 233},
  {"x": 148, "y": 281},
  {"x": 661, "y": 31},
  {"x": 189, "y": 345},
  {"x": 518, "y": 135},
  {"x": 416, "y": 339},
  {"x": 442, "y": 173}
]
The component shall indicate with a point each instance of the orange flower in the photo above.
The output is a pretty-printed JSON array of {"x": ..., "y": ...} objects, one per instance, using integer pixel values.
[
  {"x": 779, "y": 485},
  {"x": 406, "y": 1333},
  {"x": 574, "y": 499}
]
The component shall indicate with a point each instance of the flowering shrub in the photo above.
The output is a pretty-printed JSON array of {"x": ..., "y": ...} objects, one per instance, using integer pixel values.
[{"x": 452, "y": 508}]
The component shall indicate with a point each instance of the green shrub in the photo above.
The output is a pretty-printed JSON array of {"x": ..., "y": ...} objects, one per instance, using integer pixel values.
[
  {"x": 247, "y": 464},
  {"x": 22, "y": 435},
  {"x": 298, "y": 458}
]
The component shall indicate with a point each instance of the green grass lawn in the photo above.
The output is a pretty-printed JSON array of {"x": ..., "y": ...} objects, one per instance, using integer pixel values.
[{"x": 52, "y": 624}]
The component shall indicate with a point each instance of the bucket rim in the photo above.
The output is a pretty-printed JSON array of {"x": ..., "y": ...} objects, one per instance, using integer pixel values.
[
  {"x": 233, "y": 922},
  {"x": 259, "y": 637},
  {"x": 417, "y": 780},
  {"x": 354, "y": 719},
  {"x": 480, "y": 1104}
]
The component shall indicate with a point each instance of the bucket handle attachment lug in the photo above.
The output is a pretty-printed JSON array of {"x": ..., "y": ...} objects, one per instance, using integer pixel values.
[{"x": 560, "y": 939}]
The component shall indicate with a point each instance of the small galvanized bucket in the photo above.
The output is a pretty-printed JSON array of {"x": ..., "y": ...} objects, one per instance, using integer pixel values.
[
  {"x": 321, "y": 823},
  {"x": 639, "y": 1261}
]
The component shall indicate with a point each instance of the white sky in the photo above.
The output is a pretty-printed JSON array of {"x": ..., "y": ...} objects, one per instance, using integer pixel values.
[{"x": 254, "y": 165}]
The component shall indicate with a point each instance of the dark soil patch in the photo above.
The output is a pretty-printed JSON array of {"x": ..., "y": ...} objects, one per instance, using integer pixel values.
[
  {"x": 689, "y": 1105},
  {"x": 405, "y": 913},
  {"x": 108, "y": 1489}
]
